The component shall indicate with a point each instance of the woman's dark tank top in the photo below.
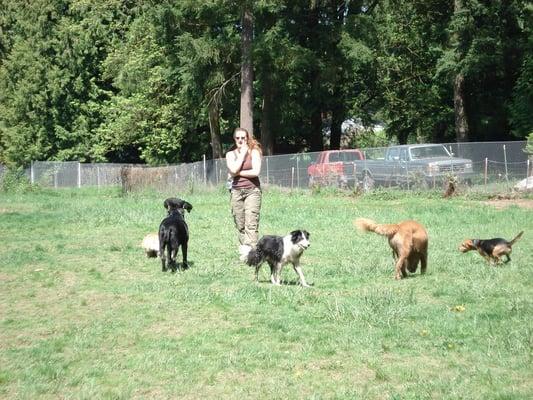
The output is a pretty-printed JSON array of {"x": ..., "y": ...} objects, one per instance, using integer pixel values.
[{"x": 240, "y": 182}]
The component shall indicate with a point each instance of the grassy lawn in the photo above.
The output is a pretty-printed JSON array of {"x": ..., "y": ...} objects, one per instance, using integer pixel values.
[{"x": 84, "y": 315}]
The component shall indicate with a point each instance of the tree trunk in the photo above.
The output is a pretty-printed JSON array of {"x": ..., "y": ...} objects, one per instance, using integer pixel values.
[
  {"x": 461, "y": 122},
  {"x": 402, "y": 136},
  {"x": 247, "y": 78},
  {"x": 336, "y": 128},
  {"x": 214, "y": 128},
  {"x": 316, "y": 142},
  {"x": 267, "y": 119}
]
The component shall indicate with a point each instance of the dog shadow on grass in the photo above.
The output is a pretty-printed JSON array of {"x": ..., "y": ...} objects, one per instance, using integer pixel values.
[
  {"x": 284, "y": 283},
  {"x": 181, "y": 268}
]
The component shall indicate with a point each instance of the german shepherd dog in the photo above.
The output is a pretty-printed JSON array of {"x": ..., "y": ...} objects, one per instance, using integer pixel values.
[
  {"x": 491, "y": 250},
  {"x": 408, "y": 241}
]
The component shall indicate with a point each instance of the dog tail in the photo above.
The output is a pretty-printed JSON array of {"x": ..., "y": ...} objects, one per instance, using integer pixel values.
[
  {"x": 368, "y": 225},
  {"x": 254, "y": 258},
  {"x": 516, "y": 238}
]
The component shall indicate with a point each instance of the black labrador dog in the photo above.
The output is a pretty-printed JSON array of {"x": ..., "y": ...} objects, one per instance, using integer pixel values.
[
  {"x": 174, "y": 203},
  {"x": 173, "y": 233}
]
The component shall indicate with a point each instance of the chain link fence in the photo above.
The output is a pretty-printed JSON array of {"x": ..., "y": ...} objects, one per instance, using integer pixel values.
[{"x": 495, "y": 166}]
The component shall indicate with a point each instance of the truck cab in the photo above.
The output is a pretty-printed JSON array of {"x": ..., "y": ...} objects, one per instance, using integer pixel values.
[{"x": 334, "y": 167}]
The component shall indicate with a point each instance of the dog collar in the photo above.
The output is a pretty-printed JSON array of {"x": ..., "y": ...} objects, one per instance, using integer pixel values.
[{"x": 475, "y": 242}]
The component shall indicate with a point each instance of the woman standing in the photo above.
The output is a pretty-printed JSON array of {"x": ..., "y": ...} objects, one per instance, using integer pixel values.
[{"x": 244, "y": 165}]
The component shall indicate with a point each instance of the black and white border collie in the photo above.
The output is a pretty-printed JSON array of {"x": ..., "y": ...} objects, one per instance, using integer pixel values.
[{"x": 278, "y": 251}]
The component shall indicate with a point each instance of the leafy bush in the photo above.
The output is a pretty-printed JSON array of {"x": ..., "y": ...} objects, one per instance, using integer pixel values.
[
  {"x": 529, "y": 146},
  {"x": 15, "y": 180}
]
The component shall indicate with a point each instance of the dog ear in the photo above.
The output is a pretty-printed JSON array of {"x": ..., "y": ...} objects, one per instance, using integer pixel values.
[
  {"x": 295, "y": 235},
  {"x": 307, "y": 234},
  {"x": 187, "y": 206}
]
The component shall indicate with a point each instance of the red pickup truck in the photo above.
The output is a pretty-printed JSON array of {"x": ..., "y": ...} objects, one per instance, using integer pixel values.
[{"x": 335, "y": 167}]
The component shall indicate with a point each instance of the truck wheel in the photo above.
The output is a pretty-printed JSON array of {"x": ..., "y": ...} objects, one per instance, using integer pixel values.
[{"x": 368, "y": 183}]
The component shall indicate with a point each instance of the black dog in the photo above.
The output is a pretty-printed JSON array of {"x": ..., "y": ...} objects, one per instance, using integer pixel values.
[
  {"x": 174, "y": 203},
  {"x": 173, "y": 233}
]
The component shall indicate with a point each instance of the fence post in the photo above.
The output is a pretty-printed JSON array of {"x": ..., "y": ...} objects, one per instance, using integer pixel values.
[
  {"x": 268, "y": 181},
  {"x": 32, "y": 176},
  {"x": 79, "y": 175},
  {"x": 97, "y": 175},
  {"x": 486, "y": 169},
  {"x": 205, "y": 173},
  {"x": 297, "y": 171},
  {"x": 408, "y": 180},
  {"x": 505, "y": 161},
  {"x": 292, "y": 177},
  {"x": 55, "y": 178},
  {"x": 527, "y": 171}
]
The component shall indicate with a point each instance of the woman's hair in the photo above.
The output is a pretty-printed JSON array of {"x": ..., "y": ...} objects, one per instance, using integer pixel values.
[{"x": 252, "y": 142}]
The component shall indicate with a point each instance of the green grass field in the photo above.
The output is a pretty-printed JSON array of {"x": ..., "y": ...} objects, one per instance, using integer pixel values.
[{"x": 85, "y": 315}]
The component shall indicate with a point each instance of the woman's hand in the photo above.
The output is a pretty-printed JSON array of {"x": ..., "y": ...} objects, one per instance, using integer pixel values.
[
  {"x": 256, "y": 166},
  {"x": 243, "y": 149},
  {"x": 234, "y": 160}
]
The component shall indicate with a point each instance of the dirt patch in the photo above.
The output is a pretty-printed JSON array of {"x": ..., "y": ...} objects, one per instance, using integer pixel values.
[{"x": 504, "y": 203}]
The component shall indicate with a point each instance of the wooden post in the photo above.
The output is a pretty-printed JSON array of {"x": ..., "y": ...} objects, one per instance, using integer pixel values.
[
  {"x": 79, "y": 175},
  {"x": 32, "y": 173}
]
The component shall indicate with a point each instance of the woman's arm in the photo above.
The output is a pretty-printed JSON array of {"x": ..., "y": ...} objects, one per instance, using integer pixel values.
[
  {"x": 256, "y": 166},
  {"x": 234, "y": 161}
]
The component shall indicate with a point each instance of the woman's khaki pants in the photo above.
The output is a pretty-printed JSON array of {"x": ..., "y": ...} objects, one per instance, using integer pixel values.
[{"x": 246, "y": 207}]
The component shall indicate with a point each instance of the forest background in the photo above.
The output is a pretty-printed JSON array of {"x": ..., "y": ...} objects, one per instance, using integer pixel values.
[{"x": 160, "y": 82}]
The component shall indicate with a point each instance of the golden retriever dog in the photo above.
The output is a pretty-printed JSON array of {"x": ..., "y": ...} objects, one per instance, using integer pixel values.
[
  {"x": 491, "y": 249},
  {"x": 408, "y": 241}
]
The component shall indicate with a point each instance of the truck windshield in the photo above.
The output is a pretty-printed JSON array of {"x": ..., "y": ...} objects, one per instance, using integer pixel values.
[
  {"x": 428, "y": 152},
  {"x": 351, "y": 156},
  {"x": 346, "y": 156}
]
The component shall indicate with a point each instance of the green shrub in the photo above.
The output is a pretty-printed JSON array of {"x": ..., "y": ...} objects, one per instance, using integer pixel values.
[{"x": 15, "y": 180}]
